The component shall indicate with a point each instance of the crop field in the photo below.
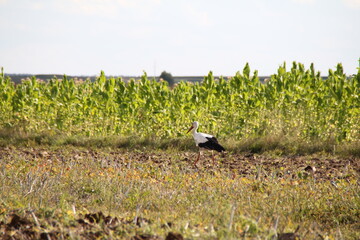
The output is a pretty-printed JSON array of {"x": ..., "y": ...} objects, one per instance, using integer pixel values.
[
  {"x": 298, "y": 103},
  {"x": 111, "y": 159}
]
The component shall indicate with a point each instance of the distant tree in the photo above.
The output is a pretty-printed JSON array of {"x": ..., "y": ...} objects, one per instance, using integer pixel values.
[{"x": 167, "y": 77}]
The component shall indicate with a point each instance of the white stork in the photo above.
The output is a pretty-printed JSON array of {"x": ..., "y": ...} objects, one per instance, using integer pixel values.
[{"x": 204, "y": 140}]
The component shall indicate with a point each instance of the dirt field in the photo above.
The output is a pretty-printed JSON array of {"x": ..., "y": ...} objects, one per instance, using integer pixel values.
[
  {"x": 25, "y": 224},
  {"x": 322, "y": 167}
]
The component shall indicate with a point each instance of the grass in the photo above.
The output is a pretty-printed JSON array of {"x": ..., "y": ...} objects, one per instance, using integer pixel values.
[{"x": 62, "y": 191}]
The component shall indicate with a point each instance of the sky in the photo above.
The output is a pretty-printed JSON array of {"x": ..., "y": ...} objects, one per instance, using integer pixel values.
[{"x": 183, "y": 37}]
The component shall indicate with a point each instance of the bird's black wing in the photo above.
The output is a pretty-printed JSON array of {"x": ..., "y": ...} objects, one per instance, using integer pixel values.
[
  {"x": 212, "y": 144},
  {"x": 213, "y": 139}
]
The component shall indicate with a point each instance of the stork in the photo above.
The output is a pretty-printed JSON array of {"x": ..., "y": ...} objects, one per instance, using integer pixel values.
[{"x": 203, "y": 140}]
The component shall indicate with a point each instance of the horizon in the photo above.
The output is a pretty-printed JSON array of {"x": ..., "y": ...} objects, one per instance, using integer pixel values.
[{"x": 177, "y": 76}]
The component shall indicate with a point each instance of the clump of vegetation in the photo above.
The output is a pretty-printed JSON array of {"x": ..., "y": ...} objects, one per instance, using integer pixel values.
[{"x": 165, "y": 76}]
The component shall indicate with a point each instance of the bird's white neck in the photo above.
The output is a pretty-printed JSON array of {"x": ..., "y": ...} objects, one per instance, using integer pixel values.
[{"x": 194, "y": 130}]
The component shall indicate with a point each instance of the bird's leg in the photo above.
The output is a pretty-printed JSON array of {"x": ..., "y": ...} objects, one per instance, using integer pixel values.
[
  {"x": 198, "y": 157},
  {"x": 213, "y": 158}
]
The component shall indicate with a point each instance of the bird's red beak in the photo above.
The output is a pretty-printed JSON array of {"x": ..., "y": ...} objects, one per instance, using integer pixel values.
[{"x": 190, "y": 129}]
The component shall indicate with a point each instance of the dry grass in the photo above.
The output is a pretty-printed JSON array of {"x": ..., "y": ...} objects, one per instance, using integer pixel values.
[{"x": 53, "y": 188}]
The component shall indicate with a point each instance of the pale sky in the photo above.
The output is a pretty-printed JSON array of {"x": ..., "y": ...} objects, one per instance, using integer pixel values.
[{"x": 183, "y": 37}]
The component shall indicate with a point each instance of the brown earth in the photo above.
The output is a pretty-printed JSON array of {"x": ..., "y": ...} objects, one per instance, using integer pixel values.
[{"x": 321, "y": 167}]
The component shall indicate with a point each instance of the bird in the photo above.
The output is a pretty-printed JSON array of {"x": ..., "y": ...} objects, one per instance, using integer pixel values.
[{"x": 204, "y": 140}]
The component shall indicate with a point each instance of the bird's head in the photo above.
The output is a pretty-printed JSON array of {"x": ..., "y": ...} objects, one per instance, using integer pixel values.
[{"x": 193, "y": 125}]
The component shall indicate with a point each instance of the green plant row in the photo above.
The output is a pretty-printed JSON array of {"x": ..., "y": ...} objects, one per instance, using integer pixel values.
[{"x": 296, "y": 102}]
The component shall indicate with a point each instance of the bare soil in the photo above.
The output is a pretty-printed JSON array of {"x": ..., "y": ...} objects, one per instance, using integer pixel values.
[{"x": 321, "y": 167}]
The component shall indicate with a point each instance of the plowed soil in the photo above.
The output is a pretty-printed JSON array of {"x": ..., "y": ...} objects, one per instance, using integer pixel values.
[{"x": 323, "y": 167}]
